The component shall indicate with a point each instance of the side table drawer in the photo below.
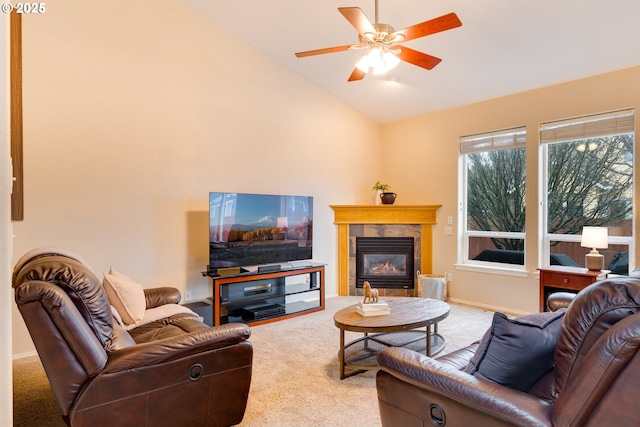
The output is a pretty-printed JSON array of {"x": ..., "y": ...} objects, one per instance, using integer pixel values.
[{"x": 567, "y": 281}]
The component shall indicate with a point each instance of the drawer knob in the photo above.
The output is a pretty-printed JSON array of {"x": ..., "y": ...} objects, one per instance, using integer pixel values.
[{"x": 566, "y": 280}]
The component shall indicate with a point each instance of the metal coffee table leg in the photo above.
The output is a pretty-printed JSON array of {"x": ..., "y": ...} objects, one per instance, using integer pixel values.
[{"x": 341, "y": 354}]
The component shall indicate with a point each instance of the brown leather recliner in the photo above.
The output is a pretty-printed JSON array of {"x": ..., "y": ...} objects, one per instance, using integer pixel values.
[
  {"x": 175, "y": 371},
  {"x": 595, "y": 381}
]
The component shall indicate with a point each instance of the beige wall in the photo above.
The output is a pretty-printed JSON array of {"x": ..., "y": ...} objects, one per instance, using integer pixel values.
[
  {"x": 134, "y": 111},
  {"x": 6, "y": 300},
  {"x": 426, "y": 146}
]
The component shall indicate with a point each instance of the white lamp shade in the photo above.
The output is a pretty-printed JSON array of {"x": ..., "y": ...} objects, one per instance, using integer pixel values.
[
  {"x": 391, "y": 60},
  {"x": 379, "y": 60},
  {"x": 594, "y": 237},
  {"x": 363, "y": 63}
]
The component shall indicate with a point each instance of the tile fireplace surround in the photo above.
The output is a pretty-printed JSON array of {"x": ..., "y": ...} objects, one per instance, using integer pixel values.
[{"x": 382, "y": 220}]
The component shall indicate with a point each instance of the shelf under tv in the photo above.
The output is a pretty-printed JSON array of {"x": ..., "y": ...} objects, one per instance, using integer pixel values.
[{"x": 255, "y": 297}]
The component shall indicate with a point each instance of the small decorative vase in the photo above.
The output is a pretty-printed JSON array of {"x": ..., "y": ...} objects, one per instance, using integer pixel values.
[
  {"x": 377, "y": 199},
  {"x": 388, "y": 198}
]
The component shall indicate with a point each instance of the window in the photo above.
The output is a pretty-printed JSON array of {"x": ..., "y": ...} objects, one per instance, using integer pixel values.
[
  {"x": 493, "y": 198},
  {"x": 588, "y": 181}
]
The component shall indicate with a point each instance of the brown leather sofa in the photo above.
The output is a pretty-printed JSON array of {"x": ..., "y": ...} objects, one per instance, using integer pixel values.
[
  {"x": 174, "y": 371},
  {"x": 595, "y": 381}
]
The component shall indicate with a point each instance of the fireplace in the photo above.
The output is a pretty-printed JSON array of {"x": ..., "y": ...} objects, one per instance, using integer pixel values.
[{"x": 385, "y": 262}]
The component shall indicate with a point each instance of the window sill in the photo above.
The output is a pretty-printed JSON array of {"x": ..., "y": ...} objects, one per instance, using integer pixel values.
[{"x": 503, "y": 271}]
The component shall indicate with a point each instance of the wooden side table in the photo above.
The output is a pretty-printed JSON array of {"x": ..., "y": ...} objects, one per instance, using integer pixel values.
[{"x": 560, "y": 278}]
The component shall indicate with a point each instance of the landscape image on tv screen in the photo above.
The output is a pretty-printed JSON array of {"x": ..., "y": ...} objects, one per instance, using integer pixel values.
[{"x": 257, "y": 229}]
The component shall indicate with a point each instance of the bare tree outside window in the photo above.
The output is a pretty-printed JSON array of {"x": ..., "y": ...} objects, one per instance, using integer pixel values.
[
  {"x": 590, "y": 183},
  {"x": 496, "y": 194}
]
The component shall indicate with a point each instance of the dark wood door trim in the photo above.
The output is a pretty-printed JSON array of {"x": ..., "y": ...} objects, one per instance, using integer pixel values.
[{"x": 15, "y": 61}]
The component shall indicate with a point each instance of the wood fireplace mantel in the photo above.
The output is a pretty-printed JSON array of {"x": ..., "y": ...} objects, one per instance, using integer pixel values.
[{"x": 344, "y": 215}]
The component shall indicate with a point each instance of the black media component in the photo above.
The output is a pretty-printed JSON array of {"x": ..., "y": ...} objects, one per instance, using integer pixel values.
[
  {"x": 257, "y": 289},
  {"x": 261, "y": 311},
  {"x": 269, "y": 268}
]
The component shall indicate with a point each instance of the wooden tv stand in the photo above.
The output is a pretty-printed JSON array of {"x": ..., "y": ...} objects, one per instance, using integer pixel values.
[{"x": 263, "y": 297}]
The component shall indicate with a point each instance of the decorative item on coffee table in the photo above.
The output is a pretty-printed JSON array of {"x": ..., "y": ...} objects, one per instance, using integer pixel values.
[
  {"x": 370, "y": 306},
  {"x": 370, "y": 295},
  {"x": 379, "y": 308}
]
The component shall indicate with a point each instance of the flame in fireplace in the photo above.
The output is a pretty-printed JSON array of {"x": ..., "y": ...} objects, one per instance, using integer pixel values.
[{"x": 384, "y": 268}]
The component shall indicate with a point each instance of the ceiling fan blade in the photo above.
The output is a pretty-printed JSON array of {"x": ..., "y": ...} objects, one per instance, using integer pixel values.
[
  {"x": 358, "y": 19},
  {"x": 357, "y": 74},
  {"x": 436, "y": 25},
  {"x": 417, "y": 58},
  {"x": 323, "y": 51}
]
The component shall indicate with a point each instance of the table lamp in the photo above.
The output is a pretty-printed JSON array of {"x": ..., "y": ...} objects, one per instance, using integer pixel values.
[{"x": 594, "y": 238}]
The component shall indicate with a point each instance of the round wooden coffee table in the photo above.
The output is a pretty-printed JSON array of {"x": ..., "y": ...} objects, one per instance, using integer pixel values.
[{"x": 396, "y": 329}]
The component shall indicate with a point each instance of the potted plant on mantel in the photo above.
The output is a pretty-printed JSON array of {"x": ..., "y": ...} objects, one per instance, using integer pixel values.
[{"x": 383, "y": 196}]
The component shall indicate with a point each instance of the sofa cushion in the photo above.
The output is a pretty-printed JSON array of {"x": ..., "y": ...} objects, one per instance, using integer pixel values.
[
  {"x": 174, "y": 325},
  {"x": 517, "y": 352},
  {"x": 126, "y": 295},
  {"x": 162, "y": 312}
]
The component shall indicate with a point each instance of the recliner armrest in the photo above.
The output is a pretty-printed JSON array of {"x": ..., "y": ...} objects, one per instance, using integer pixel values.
[
  {"x": 156, "y": 297},
  {"x": 176, "y": 347},
  {"x": 558, "y": 300},
  {"x": 460, "y": 358},
  {"x": 480, "y": 396}
]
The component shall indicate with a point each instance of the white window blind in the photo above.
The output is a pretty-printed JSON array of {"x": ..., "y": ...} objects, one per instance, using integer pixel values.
[
  {"x": 598, "y": 125},
  {"x": 492, "y": 141}
]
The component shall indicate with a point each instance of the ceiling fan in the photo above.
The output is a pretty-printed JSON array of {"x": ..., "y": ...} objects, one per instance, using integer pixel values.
[{"x": 381, "y": 41}]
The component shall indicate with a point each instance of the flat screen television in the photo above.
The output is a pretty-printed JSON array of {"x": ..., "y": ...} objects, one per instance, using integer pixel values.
[{"x": 258, "y": 229}]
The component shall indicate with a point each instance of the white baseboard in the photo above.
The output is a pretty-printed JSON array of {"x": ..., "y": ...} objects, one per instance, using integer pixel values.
[
  {"x": 507, "y": 311},
  {"x": 23, "y": 355}
]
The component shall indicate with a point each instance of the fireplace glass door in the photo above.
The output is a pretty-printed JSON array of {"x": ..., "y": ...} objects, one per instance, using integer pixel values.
[{"x": 385, "y": 262}]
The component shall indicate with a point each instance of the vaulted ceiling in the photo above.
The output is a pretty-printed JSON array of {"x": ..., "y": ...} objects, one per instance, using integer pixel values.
[{"x": 503, "y": 46}]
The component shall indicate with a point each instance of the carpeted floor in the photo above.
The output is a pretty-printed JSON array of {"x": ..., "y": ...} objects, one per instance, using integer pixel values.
[{"x": 295, "y": 373}]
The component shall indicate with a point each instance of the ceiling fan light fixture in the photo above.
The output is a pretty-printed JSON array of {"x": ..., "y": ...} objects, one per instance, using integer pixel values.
[
  {"x": 378, "y": 60},
  {"x": 390, "y": 59},
  {"x": 367, "y": 37},
  {"x": 363, "y": 63}
]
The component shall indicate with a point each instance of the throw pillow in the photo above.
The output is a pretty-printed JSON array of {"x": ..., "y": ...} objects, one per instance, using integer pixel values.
[
  {"x": 126, "y": 296},
  {"x": 517, "y": 352}
]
